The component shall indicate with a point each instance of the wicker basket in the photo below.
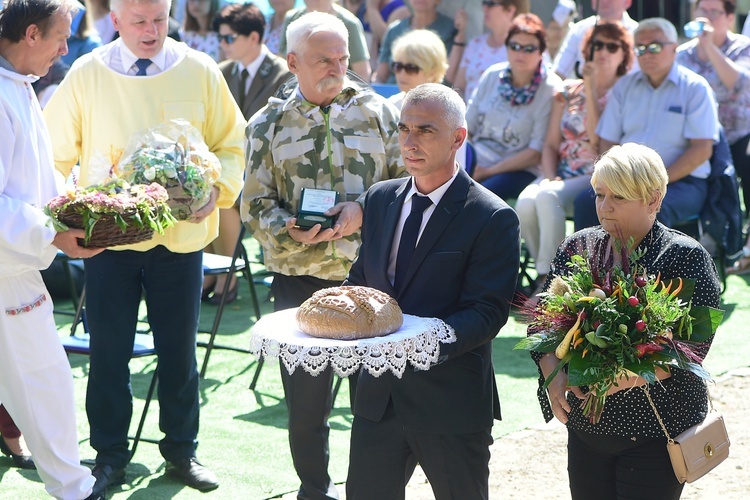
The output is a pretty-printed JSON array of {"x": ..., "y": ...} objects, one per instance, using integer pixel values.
[{"x": 106, "y": 233}]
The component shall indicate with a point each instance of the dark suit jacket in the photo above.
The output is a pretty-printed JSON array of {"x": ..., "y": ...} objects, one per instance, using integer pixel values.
[
  {"x": 464, "y": 272},
  {"x": 271, "y": 74}
]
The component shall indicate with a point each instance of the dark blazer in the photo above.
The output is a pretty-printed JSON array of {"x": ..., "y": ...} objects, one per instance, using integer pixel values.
[
  {"x": 272, "y": 73},
  {"x": 464, "y": 272}
]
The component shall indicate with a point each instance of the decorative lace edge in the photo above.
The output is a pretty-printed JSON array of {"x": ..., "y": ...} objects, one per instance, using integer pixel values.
[{"x": 421, "y": 352}]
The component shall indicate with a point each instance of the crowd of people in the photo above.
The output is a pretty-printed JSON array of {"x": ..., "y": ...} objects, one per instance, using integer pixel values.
[{"x": 556, "y": 119}]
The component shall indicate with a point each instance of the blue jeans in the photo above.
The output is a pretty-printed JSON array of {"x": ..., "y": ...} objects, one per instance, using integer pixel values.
[
  {"x": 115, "y": 281},
  {"x": 509, "y": 185},
  {"x": 684, "y": 200}
]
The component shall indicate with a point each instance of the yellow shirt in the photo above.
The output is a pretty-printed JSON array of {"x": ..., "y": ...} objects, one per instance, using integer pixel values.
[{"x": 95, "y": 111}]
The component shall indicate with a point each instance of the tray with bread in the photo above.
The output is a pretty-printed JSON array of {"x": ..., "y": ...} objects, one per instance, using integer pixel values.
[{"x": 350, "y": 328}]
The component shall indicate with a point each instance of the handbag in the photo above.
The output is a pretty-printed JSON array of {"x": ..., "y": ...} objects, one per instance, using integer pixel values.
[{"x": 700, "y": 448}]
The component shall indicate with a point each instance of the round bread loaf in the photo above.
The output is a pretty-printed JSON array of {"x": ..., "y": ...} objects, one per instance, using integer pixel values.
[{"x": 348, "y": 313}]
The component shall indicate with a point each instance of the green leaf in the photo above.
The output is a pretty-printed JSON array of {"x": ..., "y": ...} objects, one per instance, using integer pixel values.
[
  {"x": 559, "y": 366},
  {"x": 580, "y": 372},
  {"x": 539, "y": 342},
  {"x": 645, "y": 371},
  {"x": 705, "y": 322}
]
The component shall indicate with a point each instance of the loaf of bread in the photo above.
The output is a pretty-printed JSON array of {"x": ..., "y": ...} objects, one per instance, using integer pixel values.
[{"x": 348, "y": 313}]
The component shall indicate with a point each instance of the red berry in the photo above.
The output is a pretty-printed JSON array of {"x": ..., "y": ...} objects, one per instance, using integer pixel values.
[
  {"x": 640, "y": 325},
  {"x": 583, "y": 315},
  {"x": 633, "y": 300},
  {"x": 596, "y": 324},
  {"x": 641, "y": 281}
]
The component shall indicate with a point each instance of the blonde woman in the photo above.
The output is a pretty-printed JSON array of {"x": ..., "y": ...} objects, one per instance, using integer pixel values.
[{"x": 418, "y": 57}]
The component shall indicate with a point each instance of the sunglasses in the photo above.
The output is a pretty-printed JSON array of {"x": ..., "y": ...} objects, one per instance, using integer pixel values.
[
  {"x": 411, "y": 69},
  {"x": 228, "y": 39},
  {"x": 489, "y": 4},
  {"x": 651, "y": 48},
  {"x": 517, "y": 47},
  {"x": 611, "y": 47}
]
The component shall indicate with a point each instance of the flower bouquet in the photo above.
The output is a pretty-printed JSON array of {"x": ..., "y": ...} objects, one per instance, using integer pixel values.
[
  {"x": 174, "y": 156},
  {"x": 115, "y": 213},
  {"x": 606, "y": 324}
]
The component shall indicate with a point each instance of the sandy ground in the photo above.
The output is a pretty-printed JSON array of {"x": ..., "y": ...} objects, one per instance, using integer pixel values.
[{"x": 531, "y": 464}]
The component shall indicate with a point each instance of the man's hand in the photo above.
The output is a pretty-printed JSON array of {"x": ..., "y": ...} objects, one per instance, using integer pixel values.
[
  {"x": 348, "y": 222},
  {"x": 67, "y": 241},
  {"x": 349, "y": 217},
  {"x": 206, "y": 210}
]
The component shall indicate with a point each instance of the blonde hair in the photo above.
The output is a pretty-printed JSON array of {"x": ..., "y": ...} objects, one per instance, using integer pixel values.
[
  {"x": 425, "y": 49},
  {"x": 633, "y": 171}
]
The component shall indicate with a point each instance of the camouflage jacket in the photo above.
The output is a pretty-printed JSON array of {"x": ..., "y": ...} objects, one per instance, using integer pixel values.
[{"x": 289, "y": 145}]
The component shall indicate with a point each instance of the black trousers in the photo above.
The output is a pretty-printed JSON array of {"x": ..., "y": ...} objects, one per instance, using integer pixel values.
[
  {"x": 308, "y": 399},
  {"x": 456, "y": 465},
  {"x": 620, "y": 468}
]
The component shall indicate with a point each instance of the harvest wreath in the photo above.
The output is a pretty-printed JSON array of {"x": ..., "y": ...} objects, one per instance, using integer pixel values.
[{"x": 115, "y": 213}]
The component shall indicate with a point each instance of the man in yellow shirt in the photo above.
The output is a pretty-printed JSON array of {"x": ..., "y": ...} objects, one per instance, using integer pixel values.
[{"x": 131, "y": 84}]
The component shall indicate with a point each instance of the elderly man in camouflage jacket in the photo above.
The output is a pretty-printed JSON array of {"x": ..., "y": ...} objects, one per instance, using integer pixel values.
[{"x": 331, "y": 133}]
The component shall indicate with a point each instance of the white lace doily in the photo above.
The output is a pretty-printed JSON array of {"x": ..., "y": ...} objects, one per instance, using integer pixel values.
[{"x": 275, "y": 336}]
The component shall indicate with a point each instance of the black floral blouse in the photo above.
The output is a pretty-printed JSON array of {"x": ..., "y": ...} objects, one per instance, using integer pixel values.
[{"x": 682, "y": 398}]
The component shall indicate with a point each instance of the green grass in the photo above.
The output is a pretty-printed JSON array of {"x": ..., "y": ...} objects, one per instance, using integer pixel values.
[{"x": 243, "y": 433}]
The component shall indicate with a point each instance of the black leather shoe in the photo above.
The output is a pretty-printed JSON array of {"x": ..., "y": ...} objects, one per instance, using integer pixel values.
[
  {"x": 192, "y": 473},
  {"x": 231, "y": 295},
  {"x": 20, "y": 461},
  {"x": 105, "y": 476}
]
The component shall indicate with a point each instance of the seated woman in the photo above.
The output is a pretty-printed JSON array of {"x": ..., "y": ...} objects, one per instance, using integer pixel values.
[
  {"x": 376, "y": 16},
  {"x": 425, "y": 16},
  {"x": 508, "y": 113},
  {"x": 418, "y": 57},
  {"x": 275, "y": 24},
  {"x": 723, "y": 59},
  {"x": 488, "y": 48},
  {"x": 198, "y": 31},
  {"x": 572, "y": 145},
  {"x": 624, "y": 455}
]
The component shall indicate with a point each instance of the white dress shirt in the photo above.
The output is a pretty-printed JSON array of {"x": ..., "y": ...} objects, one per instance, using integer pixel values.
[{"x": 435, "y": 197}]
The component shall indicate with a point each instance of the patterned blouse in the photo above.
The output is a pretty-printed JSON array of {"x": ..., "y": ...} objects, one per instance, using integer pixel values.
[
  {"x": 576, "y": 154},
  {"x": 681, "y": 399},
  {"x": 272, "y": 37},
  {"x": 208, "y": 43},
  {"x": 734, "y": 103},
  {"x": 477, "y": 57}
]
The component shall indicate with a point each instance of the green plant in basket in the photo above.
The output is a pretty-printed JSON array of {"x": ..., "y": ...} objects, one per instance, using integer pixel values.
[
  {"x": 174, "y": 155},
  {"x": 115, "y": 213},
  {"x": 605, "y": 324}
]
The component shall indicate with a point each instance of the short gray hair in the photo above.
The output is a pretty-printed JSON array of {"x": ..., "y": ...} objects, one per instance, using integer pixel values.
[
  {"x": 116, "y": 5},
  {"x": 299, "y": 31},
  {"x": 454, "y": 109},
  {"x": 658, "y": 23}
]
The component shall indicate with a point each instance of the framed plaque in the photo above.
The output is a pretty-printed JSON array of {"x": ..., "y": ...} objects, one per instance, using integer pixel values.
[{"x": 312, "y": 208}]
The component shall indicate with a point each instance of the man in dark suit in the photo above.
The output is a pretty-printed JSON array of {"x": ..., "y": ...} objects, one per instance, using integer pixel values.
[
  {"x": 463, "y": 271},
  {"x": 252, "y": 71}
]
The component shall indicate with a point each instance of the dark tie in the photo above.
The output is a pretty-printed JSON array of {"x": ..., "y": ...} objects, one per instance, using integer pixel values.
[
  {"x": 142, "y": 64},
  {"x": 409, "y": 237},
  {"x": 243, "y": 87}
]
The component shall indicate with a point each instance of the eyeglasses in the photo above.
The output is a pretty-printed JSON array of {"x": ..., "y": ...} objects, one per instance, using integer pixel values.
[
  {"x": 411, "y": 69},
  {"x": 517, "y": 47},
  {"x": 651, "y": 48},
  {"x": 489, "y": 4},
  {"x": 711, "y": 14},
  {"x": 611, "y": 47},
  {"x": 228, "y": 39}
]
